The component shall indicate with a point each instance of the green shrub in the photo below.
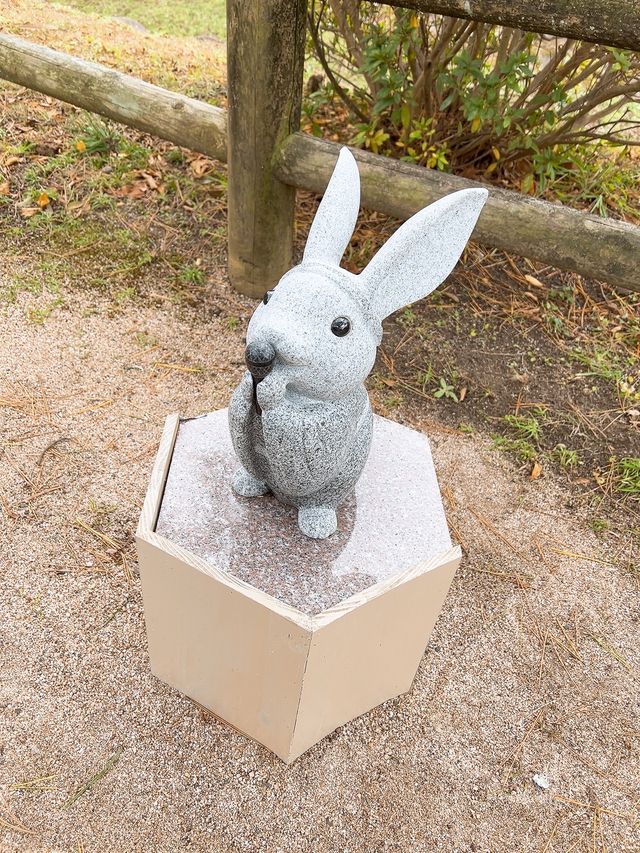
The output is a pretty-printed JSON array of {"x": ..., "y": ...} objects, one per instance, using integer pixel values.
[{"x": 461, "y": 95}]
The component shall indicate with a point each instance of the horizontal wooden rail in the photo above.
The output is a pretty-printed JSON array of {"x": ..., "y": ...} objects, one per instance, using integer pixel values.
[
  {"x": 605, "y": 249},
  {"x": 610, "y": 22},
  {"x": 570, "y": 239},
  {"x": 183, "y": 121}
]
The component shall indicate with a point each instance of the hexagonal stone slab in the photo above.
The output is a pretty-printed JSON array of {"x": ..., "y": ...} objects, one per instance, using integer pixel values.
[{"x": 284, "y": 637}]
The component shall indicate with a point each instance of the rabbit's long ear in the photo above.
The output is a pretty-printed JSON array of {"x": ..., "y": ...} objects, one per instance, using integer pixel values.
[
  {"x": 336, "y": 216},
  {"x": 422, "y": 252}
]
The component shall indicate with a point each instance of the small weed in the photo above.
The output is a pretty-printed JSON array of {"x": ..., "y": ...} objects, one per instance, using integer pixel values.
[
  {"x": 232, "y": 323},
  {"x": 627, "y": 476},
  {"x": 467, "y": 429},
  {"x": 567, "y": 459},
  {"x": 424, "y": 377},
  {"x": 124, "y": 295},
  {"x": 599, "y": 525},
  {"x": 98, "y": 137},
  {"x": 192, "y": 275},
  {"x": 175, "y": 156},
  {"x": 134, "y": 155},
  {"x": 34, "y": 602},
  {"x": 393, "y": 401},
  {"x": 42, "y": 196},
  {"x": 143, "y": 339},
  {"x": 446, "y": 390},
  {"x": 407, "y": 318},
  {"x": 21, "y": 148},
  {"x": 39, "y": 315}
]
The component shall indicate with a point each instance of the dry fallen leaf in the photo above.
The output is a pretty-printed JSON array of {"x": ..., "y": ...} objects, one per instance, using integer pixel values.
[
  {"x": 200, "y": 167},
  {"x": 4, "y": 188},
  {"x": 462, "y": 394},
  {"x": 135, "y": 190},
  {"x": 536, "y": 471},
  {"x": 28, "y": 212},
  {"x": 533, "y": 281},
  {"x": 149, "y": 180}
]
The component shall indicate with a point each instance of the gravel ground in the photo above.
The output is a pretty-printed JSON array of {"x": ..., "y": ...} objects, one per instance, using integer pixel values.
[{"x": 532, "y": 670}]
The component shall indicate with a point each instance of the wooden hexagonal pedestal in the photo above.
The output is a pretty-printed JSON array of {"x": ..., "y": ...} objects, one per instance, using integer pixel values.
[{"x": 284, "y": 637}]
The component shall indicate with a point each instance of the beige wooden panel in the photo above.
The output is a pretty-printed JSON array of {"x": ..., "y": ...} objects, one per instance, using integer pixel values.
[
  {"x": 370, "y": 653},
  {"x": 224, "y": 649}
]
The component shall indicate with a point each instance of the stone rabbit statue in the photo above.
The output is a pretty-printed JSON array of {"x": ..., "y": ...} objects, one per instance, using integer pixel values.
[{"x": 300, "y": 419}]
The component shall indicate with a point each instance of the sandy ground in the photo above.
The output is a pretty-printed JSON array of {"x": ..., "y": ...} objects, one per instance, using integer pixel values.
[{"x": 532, "y": 668}]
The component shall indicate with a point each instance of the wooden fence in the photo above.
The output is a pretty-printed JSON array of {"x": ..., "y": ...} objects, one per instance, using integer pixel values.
[{"x": 268, "y": 158}]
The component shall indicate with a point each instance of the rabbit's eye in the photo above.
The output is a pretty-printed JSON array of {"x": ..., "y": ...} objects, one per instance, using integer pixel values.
[
  {"x": 267, "y": 296},
  {"x": 341, "y": 326}
]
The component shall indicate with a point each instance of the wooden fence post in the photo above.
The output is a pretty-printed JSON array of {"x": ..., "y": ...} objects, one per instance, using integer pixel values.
[{"x": 265, "y": 58}]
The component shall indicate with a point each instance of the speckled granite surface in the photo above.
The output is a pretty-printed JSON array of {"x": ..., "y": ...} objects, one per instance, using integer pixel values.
[
  {"x": 394, "y": 520},
  {"x": 304, "y": 430}
]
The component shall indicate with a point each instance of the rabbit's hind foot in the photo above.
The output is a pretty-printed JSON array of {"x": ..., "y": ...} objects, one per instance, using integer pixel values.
[
  {"x": 246, "y": 485},
  {"x": 317, "y": 522}
]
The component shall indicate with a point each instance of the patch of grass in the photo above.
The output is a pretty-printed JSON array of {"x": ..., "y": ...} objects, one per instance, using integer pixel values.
[
  {"x": 86, "y": 253},
  {"x": 34, "y": 175},
  {"x": 167, "y": 17},
  {"x": 626, "y": 479},
  {"x": 175, "y": 156},
  {"x": 527, "y": 427},
  {"x": 610, "y": 366},
  {"x": 520, "y": 447},
  {"x": 599, "y": 525},
  {"x": 602, "y": 184}
]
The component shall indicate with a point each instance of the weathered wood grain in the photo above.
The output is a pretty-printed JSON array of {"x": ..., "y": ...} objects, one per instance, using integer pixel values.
[
  {"x": 265, "y": 57},
  {"x": 261, "y": 236},
  {"x": 605, "y": 249},
  {"x": 184, "y": 121},
  {"x": 611, "y": 22}
]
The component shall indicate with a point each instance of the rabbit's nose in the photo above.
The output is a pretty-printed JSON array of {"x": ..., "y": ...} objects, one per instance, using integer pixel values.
[{"x": 259, "y": 357}]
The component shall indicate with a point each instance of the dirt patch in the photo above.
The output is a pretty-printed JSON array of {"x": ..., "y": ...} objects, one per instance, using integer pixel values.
[
  {"x": 536, "y": 367},
  {"x": 532, "y": 669}
]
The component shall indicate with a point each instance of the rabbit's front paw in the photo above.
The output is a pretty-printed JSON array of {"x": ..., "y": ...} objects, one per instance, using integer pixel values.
[
  {"x": 317, "y": 522},
  {"x": 271, "y": 392}
]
